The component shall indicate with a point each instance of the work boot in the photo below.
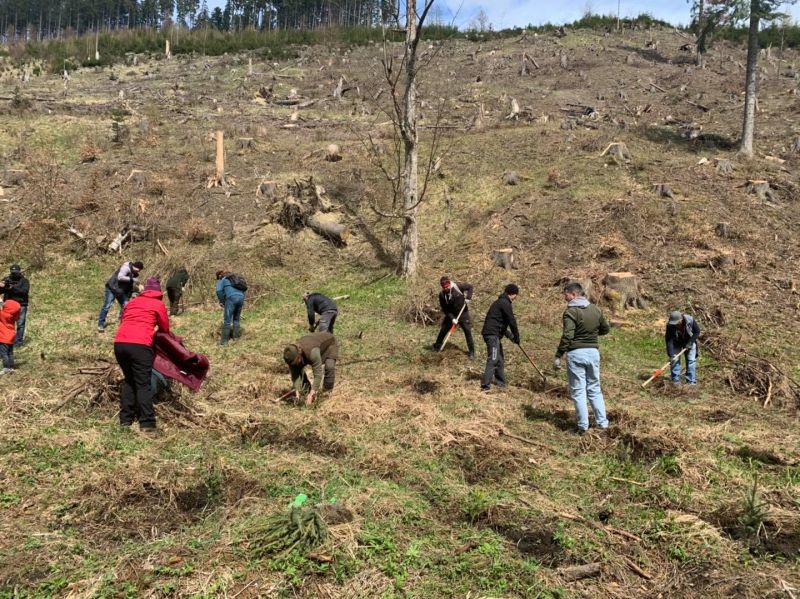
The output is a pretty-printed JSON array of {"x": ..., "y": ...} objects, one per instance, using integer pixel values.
[
  {"x": 236, "y": 331},
  {"x": 226, "y": 334}
]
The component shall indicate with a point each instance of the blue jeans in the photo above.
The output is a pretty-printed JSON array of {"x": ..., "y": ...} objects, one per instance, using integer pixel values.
[
  {"x": 108, "y": 300},
  {"x": 583, "y": 372},
  {"x": 23, "y": 317},
  {"x": 233, "y": 310},
  {"x": 691, "y": 367}
]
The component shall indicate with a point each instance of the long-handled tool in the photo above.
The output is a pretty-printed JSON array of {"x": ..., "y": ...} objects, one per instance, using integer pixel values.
[
  {"x": 661, "y": 370},
  {"x": 453, "y": 326},
  {"x": 541, "y": 374}
]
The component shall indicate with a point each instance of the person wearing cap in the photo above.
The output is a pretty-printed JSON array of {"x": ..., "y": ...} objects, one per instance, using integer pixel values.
[
  {"x": 316, "y": 303},
  {"x": 133, "y": 348},
  {"x": 9, "y": 315},
  {"x": 583, "y": 322},
  {"x": 17, "y": 287},
  {"x": 318, "y": 350},
  {"x": 454, "y": 296},
  {"x": 232, "y": 301},
  {"x": 119, "y": 287},
  {"x": 499, "y": 323},
  {"x": 175, "y": 285},
  {"x": 681, "y": 333}
]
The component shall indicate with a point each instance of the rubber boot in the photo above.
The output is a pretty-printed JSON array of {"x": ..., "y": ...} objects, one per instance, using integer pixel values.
[
  {"x": 226, "y": 334},
  {"x": 236, "y": 331}
]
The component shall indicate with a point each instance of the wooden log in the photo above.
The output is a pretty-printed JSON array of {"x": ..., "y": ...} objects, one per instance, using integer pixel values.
[
  {"x": 333, "y": 153},
  {"x": 662, "y": 189},
  {"x": 573, "y": 573},
  {"x": 503, "y": 258},
  {"x": 119, "y": 240},
  {"x": 328, "y": 226},
  {"x": 622, "y": 291},
  {"x": 246, "y": 143}
]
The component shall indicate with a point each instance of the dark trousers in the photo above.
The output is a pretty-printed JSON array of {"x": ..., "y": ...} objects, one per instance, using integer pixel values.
[
  {"x": 136, "y": 398},
  {"x": 23, "y": 318},
  {"x": 330, "y": 375},
  {"x": 7, "y": 354},
  {"x": 326, "y": 321},
  {"x": 465, "y": 326},
  {"x": 174, "y": 294},
  {"x": 495, "y": 362}
]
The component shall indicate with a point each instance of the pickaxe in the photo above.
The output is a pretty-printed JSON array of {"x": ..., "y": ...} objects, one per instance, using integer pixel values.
[{"x": 661, "y": 370}]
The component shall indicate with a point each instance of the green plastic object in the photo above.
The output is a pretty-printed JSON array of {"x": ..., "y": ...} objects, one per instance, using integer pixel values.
[{"x": 300, "y": 500}]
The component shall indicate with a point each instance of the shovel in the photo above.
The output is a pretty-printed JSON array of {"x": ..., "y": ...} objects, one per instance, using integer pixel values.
[
  {"x": 453, "y": 327},
  {"x": 541, "y": 374},
  {"x": 661, "y": 370}
]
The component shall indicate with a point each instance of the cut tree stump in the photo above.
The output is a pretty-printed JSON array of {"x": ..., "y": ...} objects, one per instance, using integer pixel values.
[
  {"x": 514, "y": 114},
  {"x": 573, "y": 573},
  {"x": 723, "y": 166},
  {"x": 796, "y": 145},
  {"x": 137, "y": 178},
  {"x": 119, "y": 132},
  {"x": 246, "y": 143},
  {"x": 760, "y": 188},
  {"x": 267, "y": 189},
  {"x": 663, "y": 190},
  {"x": 510, "y": 178},
  {"x": 333, "y": 153},
  {"x": 503, "y": 258},
  {"x": 622, "y": 291},
  {"x": 618, "y": 151},
  {"x": 220, "y": 179},
  {"x": 292, "y": 214},
  {"x": 723, "y": 230},
  {"x": 12, "y": 177},
  {"x": 328, "y": 226}
]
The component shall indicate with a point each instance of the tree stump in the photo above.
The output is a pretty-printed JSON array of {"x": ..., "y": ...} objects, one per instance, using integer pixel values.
[
  {"x": 723, "y": 166},
  {"x": 137, "y": 178},
  {"x": 333, "y": 153},
  {"x": 514, "y": 114},
  {"x": 618, "y": 152},
  {"x": 267, "y": 189},
  {"x": 503, "y": 258},
  {"x": 663, "y": 190},
  {"x": 622, "y": 291},
  {"x": 796, "y": 145},
  {"x": 291, "y": 214},
  {"x": 246, "y": 143},
  {"x": 510, "y": 178},
  {"x": 14, "y": 177},
  {"x": 564, "y": 61},
  {"x": 220, "y": 179},
  {"x": 760, "y": 188},
  {"x": 723, "y": 230},
  {"x": 119, "y": 132},
  {"x": 329, "y": 227}
]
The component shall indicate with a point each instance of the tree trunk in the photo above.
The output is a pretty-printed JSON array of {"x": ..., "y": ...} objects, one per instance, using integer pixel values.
[
  {"x": 326, "y": 225},
  {"x": 701, "y": 37},
  {"x": 751, "y": 80},
  {"x": 409, "y": 241}
]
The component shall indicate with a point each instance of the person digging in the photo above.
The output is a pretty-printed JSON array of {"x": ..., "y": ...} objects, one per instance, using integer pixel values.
[
  {"x": 318, "y": 350},
  {"x": 316, "y": 303},
  {"x": 680, "y": 337},
  {"x": 454, "y": 299},
  {"x": 499, "y": 322}
]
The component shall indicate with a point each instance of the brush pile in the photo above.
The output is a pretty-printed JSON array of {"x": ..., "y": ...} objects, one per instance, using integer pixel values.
[
  {"x": 298, "y": 528},
  {"x": 751, "y": 375},
  {"x": 99, "y": 385}
]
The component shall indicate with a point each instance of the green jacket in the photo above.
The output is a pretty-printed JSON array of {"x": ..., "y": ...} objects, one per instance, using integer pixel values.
[
  {"x": 315, "y": 349},
  {"x": 583, "y": 322}
]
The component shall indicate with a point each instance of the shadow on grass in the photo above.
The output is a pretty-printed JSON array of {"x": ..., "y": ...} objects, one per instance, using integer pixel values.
[{"x": 561, "y": 419}]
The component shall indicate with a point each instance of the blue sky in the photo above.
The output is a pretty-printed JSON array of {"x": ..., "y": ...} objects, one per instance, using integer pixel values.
[{"x": 510, "y": 13}]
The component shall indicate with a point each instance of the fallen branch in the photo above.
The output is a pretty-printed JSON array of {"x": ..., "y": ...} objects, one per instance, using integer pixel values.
[
  {"x": 583, "y": 520},
  {"x": 505, "y": 433},
  {"x": 637, "y": 569}
]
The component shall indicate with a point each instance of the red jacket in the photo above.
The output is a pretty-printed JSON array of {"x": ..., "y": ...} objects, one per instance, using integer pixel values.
[
  {"x": 140, "y": 317},
  {"x": 9, "y": 315},
  {"x": 176, "y": 362}
]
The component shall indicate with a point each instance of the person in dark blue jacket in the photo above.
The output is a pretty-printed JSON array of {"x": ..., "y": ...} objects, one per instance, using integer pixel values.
[
  {"x": 232, "y": 301},
  {"x": 681, "y": 333}
]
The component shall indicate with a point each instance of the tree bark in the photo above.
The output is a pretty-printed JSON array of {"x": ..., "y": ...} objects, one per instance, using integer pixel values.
[
  {"x": 409, "y": 242},
  {"x": 327, "y": 226},
  {"x": 751, "y": 81}
]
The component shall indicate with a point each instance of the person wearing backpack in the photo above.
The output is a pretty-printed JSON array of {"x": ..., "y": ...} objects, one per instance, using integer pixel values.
[{"x": 230, "y": 293}]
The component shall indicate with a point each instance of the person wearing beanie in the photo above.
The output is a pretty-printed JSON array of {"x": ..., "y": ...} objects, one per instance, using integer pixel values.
[
  {"x": 133, "y": 348},
  {"x": 119, "y": 287},
  {"x": 583, "y": 322},
  {"x": 9, "y": 315},
  {"x": 230, "y": 293},
  {"x": 17, "y": 287},
  {"x": 175, "y": 285},
  {"x": 499, "y": 323},
  {"x": 681, "y": 333},
  {"x": 318, "y": 350},
  {"x": 316, "y": 303},
  {"x": 454, "y": 296}
]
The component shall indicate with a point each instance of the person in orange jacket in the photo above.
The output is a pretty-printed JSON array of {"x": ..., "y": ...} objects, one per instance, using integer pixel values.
[
  {"x": 133, "y": 348},
  {"x": 9, "y": 315}
]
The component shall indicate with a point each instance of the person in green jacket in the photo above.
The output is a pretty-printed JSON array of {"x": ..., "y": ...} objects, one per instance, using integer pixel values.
[
  {"x": 318, "y": 350},
  {"x": 583, "y": 322},
  {"x": 175, "y": 285}
]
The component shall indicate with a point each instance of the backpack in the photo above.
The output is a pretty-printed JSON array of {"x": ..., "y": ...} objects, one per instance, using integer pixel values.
[{"x": 237, "y": 282}]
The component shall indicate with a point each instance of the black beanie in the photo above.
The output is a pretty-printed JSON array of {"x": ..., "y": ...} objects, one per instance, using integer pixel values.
[{"x": 511, "y": 289}]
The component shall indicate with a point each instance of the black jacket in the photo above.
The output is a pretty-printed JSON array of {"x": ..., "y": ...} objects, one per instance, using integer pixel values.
[
  {"x": 17, "y": 290},
  {"x": 499, "y": 319},
  {"x": 452, "y": 300},
  {"x": 318, "y": 303},
  {"x": 178, "y": 280}
]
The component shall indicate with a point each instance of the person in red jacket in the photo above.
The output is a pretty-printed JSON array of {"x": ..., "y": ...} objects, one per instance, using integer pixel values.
[
  {"x": 133, "y": 348},
  {"x": 9, "y": 314}
]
